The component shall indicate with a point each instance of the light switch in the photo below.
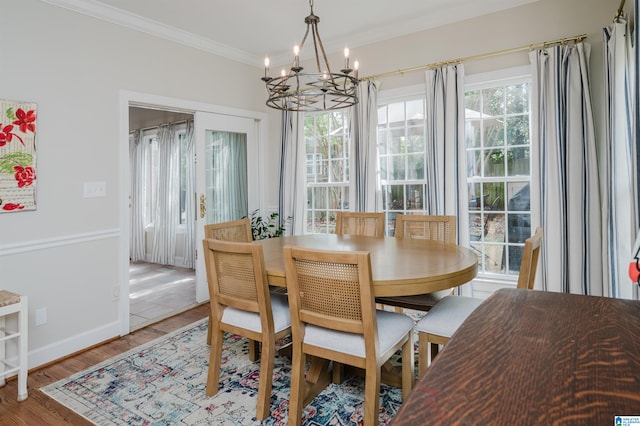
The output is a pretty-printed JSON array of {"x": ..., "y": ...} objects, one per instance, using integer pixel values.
[{"x": 95, "y": 189}]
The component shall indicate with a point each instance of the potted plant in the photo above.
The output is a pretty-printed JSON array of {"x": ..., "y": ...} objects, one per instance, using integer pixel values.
[{"x": 267, "y": 227}]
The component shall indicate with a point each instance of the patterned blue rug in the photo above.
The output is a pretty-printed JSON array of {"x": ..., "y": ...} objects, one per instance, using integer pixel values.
[{"x": 163, "y": 383}]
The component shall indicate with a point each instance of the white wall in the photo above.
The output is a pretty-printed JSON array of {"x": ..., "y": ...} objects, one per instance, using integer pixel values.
[{"x": 65, "y": 255}]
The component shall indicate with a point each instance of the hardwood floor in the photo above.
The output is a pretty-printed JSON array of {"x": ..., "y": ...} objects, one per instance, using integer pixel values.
[{"x": 39, "y": 409}]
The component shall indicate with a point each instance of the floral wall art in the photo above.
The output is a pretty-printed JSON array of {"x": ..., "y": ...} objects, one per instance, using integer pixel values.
[{"x": 17, "y": 156}]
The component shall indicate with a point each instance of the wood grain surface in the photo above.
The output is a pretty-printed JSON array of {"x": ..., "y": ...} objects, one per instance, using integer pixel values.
[
  {"x": 528, "y": 357},
  {"x": 399, "y": 267}
]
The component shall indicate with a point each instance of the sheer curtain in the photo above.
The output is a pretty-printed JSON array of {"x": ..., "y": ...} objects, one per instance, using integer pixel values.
[
  {"x": 189, "y": 206},
  {"x": 137, "y": 166},
  {"x": 567, "y": 169},
  {"x": 168, "y": 202},
  {"x": 619, "y": 160},
  {"x": 293, "y": 176},
  {"x": 364, "y": 125},
  {"x": 227, "y": 152},
  {"x": 444, "y": 144}
]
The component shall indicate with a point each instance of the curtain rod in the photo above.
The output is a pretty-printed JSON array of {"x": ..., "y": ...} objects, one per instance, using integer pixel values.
[{"x": 575, "y": 39}]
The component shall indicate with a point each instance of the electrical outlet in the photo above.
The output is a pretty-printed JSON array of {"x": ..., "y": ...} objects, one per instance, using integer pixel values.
[
  {"x": 95, "y": 189},
  {"x": 41, "y": 316}
]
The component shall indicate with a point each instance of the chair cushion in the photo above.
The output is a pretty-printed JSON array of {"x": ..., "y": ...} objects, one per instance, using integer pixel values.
[
  {"x": 392, "y": 327},
  {"x": 447, "y": 315},
  {"x": 251, "y": 320}
]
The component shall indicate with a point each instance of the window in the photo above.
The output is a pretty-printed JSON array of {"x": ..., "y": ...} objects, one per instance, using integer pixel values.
[
  {"x": 327, "y": 166},
  {"x": 401, "y": 155},
  {"x": 498, "y": 153}
]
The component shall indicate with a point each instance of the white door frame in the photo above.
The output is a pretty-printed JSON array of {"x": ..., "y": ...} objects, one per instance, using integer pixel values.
[{"x": 129, "y": 98}]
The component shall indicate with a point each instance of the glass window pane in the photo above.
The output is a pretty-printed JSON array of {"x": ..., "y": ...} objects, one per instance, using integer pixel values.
[
  {"x": 415, "y": 166},
  {"x": 396, "y": 115},
  {"x": 519, "y": 227},
  {"x": 517, "y": 98},
  {"x": 398, "y": 141},
  {"x": 319, "y": 198},
  {"x": 494, "y": 258},
  {"x": 415, "y": 197},
  {"x": 518, "y": 196},
  {"x": 395, "y": 197},
  {"x": 415, "y": 112},
  {"x": 472, "y": 103},
  {"x": 493, "y": 193},
  {"x": 474, "y": 163},
  {"x": 493, "y": 133},
  {"x": 472, "y": 133},
  {"x": 515, "y": 258},
  {"x": 518, "y": 130},
  {"x": 337, "y": 170},
  {"x": 493, "y": 162},
  {"x": 493, "y": 101},
  {"x": 397, "y": 171},
  {"x": 416, "y": 139},
  {"x": 476, "y": 228},
  {"x": 518, "y": 161}
]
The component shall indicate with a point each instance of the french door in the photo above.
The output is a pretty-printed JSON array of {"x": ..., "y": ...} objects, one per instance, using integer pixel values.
[{"x": 226, "y": 149}]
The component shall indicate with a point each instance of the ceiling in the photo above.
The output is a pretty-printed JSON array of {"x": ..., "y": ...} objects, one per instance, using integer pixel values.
[{"x": 248, "y": 30}]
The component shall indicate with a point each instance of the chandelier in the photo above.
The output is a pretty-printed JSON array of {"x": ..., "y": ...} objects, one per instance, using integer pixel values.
[{"x": 319, "y": 90}]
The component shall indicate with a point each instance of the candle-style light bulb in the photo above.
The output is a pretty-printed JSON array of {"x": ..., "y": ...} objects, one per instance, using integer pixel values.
[
  {"x": 266, "y": 66},
  {"x": 356, "y": 64},
  {"x": 283, "y": 72},
  {"x": 346, "y": 58},
  {"x": 296, "y": 52}
]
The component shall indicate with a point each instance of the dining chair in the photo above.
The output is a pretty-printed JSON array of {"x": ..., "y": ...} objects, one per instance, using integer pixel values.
[
  {"x": 424, "y": 227},
  {"x": 333, "y": 317},
  {"x": 368, "y": 224},
  {"x": 235, "y": 230},
  {"x": 242, "y": 304},
  {"x": 442, "y": 321}
]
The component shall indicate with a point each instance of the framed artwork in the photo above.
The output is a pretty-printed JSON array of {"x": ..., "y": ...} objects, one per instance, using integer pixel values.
[{"x": 17, "y": 156}]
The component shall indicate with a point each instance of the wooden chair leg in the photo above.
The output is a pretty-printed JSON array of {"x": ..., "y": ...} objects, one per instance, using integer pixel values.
[
  {"x": 423, "y": 353},
  {"x": 215, "y": 361},
  {"x": 267, "y": 361},
  {"x": 254, "y": 350},
  {"x": 408, "y": 373},
  {"x": 296, "y": 397},
  {"x": 372, "y": 397},
  {"x": 434, "y": 348},
  {"x": 209, "y": 330}
]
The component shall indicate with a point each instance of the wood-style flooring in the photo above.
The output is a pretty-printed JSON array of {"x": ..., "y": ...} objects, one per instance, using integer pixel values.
[{"x": 39, "y": 409}]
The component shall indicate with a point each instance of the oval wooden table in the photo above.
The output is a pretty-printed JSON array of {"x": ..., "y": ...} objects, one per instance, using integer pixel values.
[{"x": 399, "y": 267}]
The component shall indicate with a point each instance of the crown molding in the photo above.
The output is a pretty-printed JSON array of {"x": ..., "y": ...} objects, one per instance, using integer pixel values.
[{"x": 139, "y": 23}]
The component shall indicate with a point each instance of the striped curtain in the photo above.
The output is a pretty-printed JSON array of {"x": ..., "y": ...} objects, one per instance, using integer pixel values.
[
  {"x": 364, "y": 130},
  {"x": 567, "y": 170},
  {"x": 189, "y": 205},
  {"x": 619, "y": 166},
  {"x": 137, "y": 172},
  {"x": 444, "y": 144},
  {"x": 167, "y": 201},
  {"x": 293, "y": 176}
]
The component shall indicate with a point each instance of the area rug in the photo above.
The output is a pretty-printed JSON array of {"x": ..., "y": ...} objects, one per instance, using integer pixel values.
[{"x": 163, "y": 383}]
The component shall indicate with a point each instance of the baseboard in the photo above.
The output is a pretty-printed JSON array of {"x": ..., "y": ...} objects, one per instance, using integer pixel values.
[{"x": 80, "y": 342}]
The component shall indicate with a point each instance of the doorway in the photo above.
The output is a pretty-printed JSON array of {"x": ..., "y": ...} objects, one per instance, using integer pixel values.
[
  {"x": 207, "y": 119},
  {"x": 157, "y": 288}
]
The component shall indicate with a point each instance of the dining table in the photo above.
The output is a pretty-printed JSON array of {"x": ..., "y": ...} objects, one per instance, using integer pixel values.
[
  {"x": 529, "y": 357},
  {"x": 399, "y": 267}
]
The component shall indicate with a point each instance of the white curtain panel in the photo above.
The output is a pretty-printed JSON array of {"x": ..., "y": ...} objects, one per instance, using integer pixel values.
[
  {"x": 567, "y": 169},
  {"x": 137, "y": 153},
  {"x": 446, "y": 184},
  {"x": 189, "y": 208},
  {"x": 364, "y": 130},
  {"x": 168, "y": 202},
  {"x": 619, "y": 160},
  {"x": 293, "y": 178}
]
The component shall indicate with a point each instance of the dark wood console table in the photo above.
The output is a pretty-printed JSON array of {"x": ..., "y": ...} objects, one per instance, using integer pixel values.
[{"x": 529, "y": 357}]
